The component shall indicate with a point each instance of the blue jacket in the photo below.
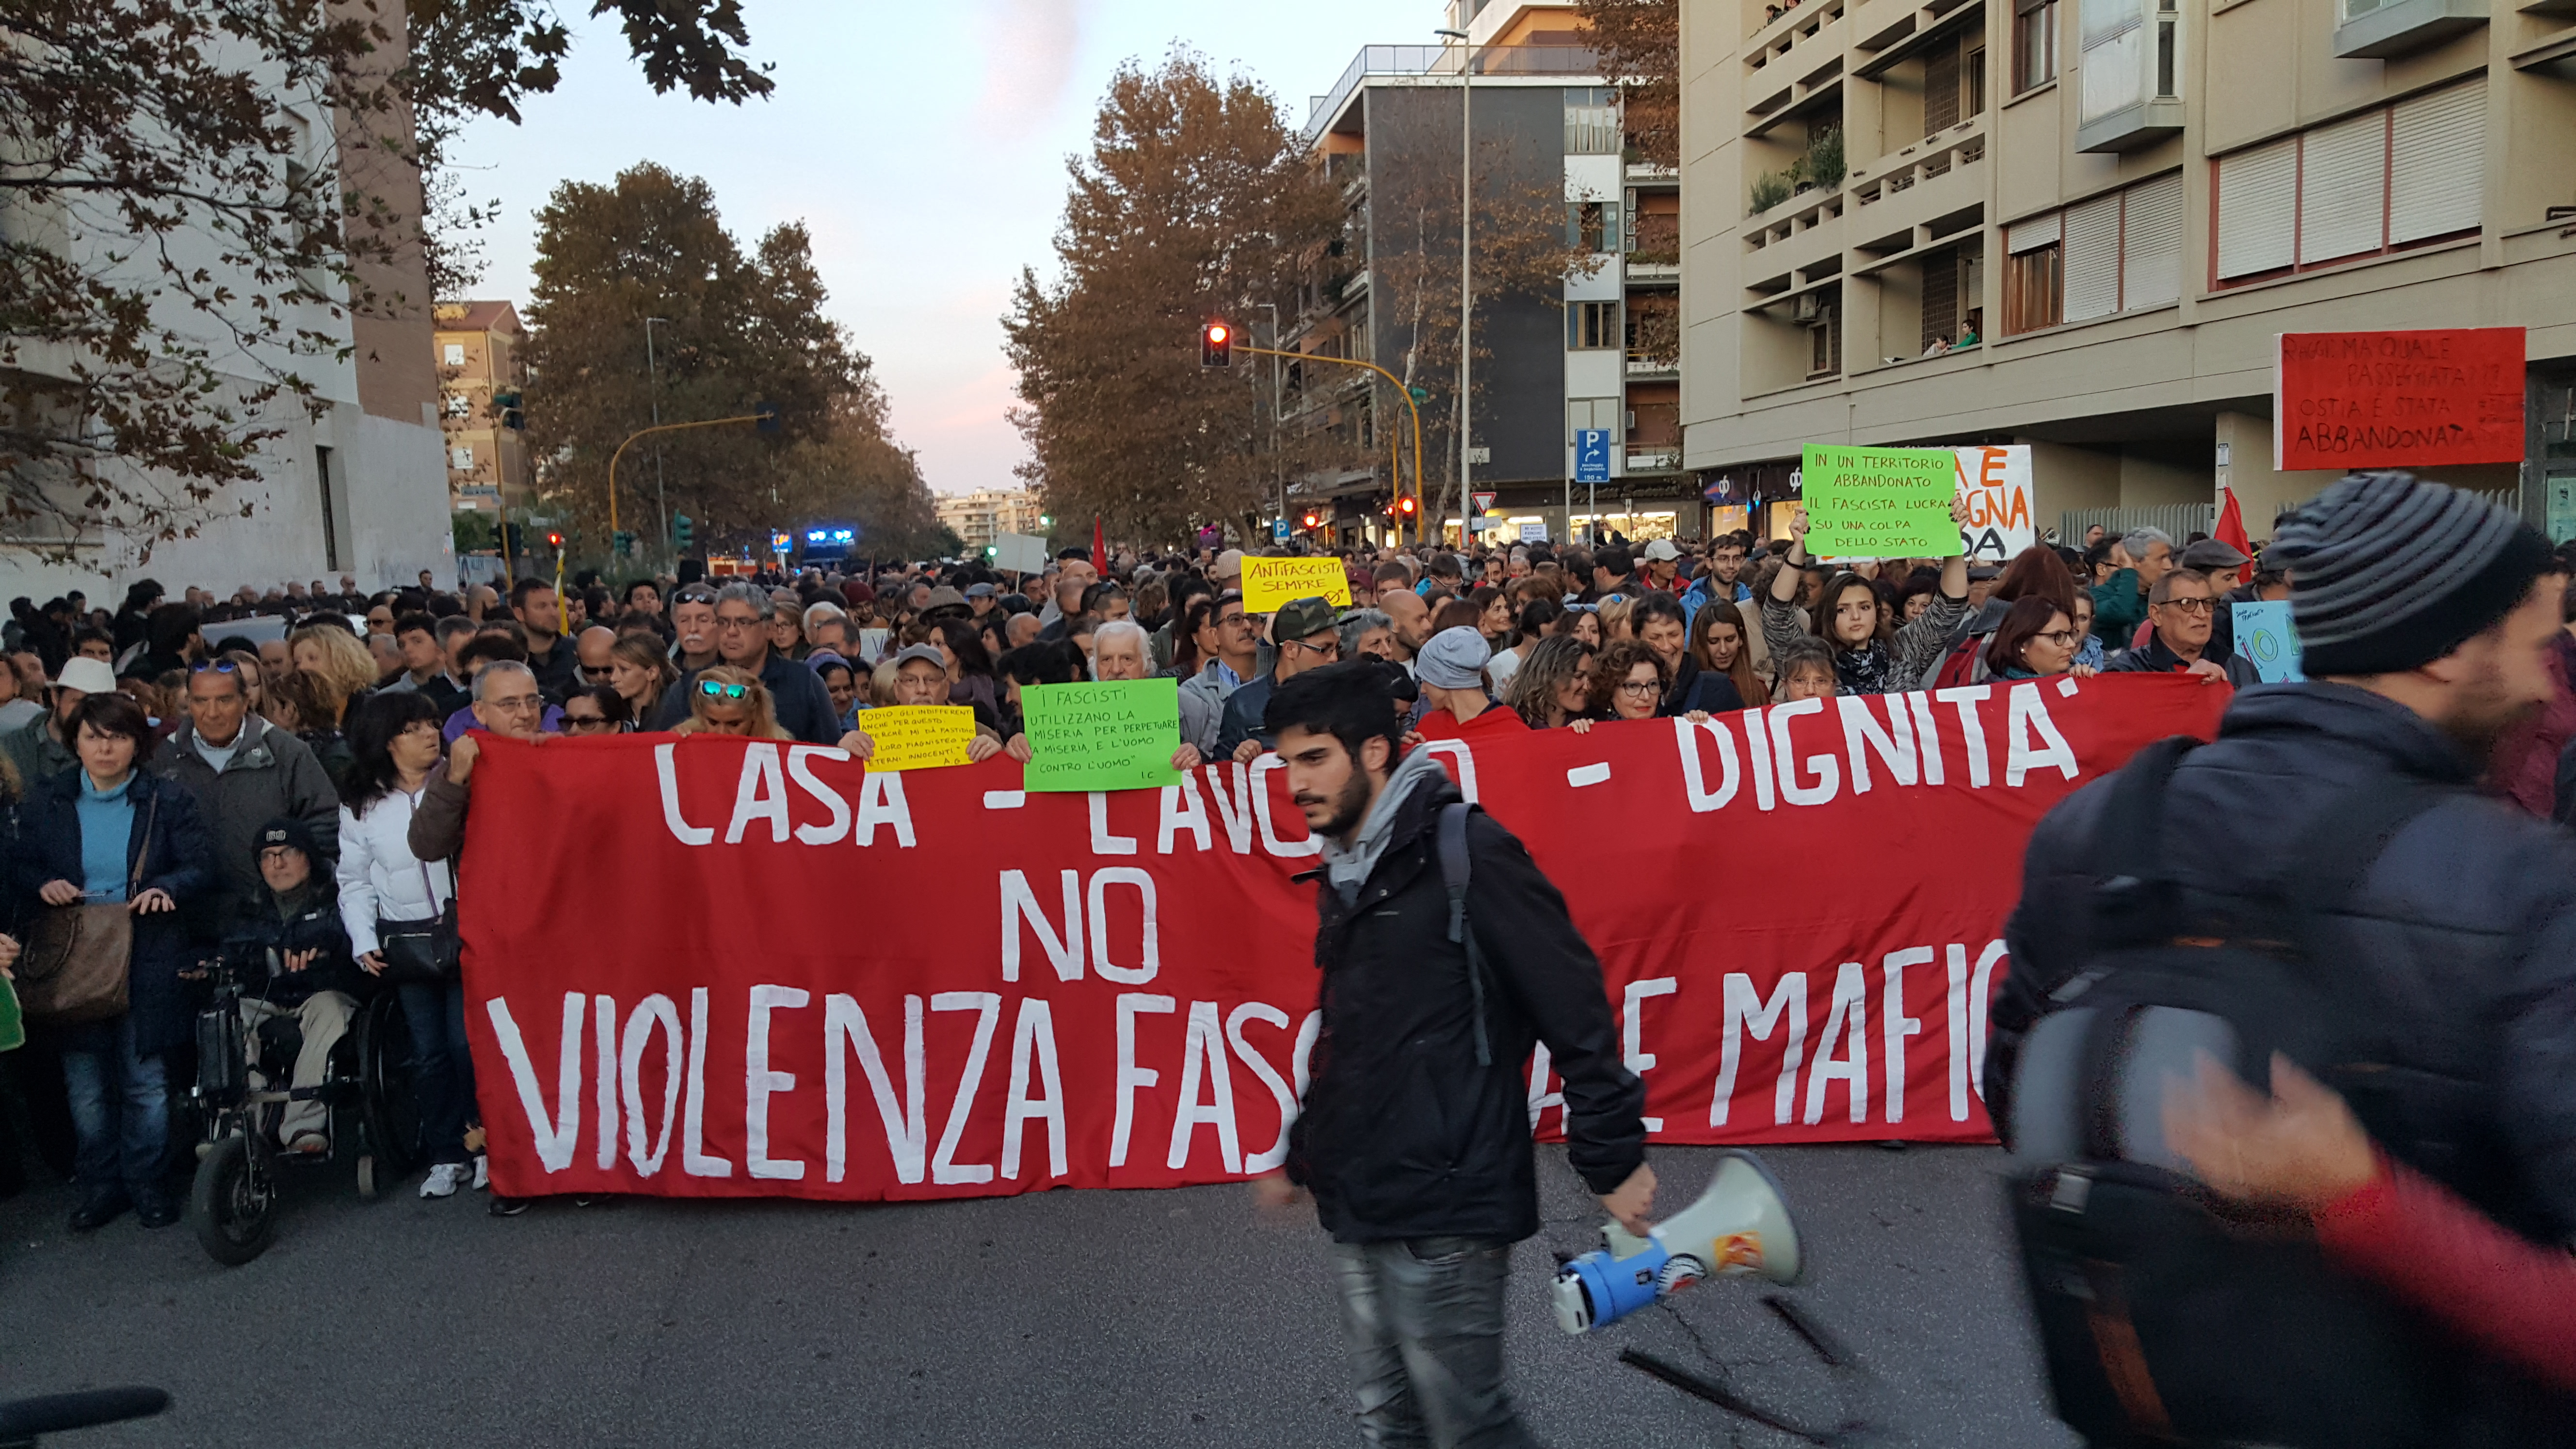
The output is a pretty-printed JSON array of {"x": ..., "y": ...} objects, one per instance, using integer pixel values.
[
  {"x": 2466, "y": 924},
  {"x": 169, "y": 838},
  {"x": 1242, "y": 720}
]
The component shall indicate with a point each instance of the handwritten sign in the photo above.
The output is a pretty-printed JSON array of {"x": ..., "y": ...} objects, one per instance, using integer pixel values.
[
  {"x": 918, "y": 736},
  {"x": 2268, "y": 640},
  {"x": 1880, "y": 502},
  {"x": 1995, "y": 482},
  {"x": 2398, "y": 399},
  {"x": 1269, "y": 583},
  {"x": 1115, "y": 736}
]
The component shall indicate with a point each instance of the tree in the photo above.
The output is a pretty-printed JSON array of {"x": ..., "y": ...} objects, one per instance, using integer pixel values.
[
  {"x": 185, "y": 237},
  {"x": 744, "y": 330},
  {"x": 1197, "y": 202},
  {"x": 1639, "y": 42}
]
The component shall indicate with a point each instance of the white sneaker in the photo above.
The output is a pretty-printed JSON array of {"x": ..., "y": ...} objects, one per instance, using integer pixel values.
[
  {"x": 443, "y": 1180},
  {"x": 482, "y": 1172}
]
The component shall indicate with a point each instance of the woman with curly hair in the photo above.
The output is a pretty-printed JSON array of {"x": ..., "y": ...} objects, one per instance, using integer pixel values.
[{"x": 343, "y": 664}]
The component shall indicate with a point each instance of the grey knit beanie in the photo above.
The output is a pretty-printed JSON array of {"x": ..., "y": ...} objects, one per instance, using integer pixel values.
[{"x": 2389, "y": 572}]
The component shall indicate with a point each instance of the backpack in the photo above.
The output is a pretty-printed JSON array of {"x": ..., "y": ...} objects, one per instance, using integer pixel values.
[
  {"x": 1455, "y": 872},
  {"x": 2167, "y": 1316},
  {"x": 1959, "y": 665}
]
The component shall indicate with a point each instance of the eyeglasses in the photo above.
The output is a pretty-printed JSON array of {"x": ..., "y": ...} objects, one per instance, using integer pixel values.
[
  {"x": 2062, "y": 638},
  {"x": 573, "y": 722},
  {"x": 755, "y": 622},
  {"x": 1330, "y": 648},
  {"x": 714, "y": 689},
  {"x": 1639, "y": 687},
  {"x": 2193, "y": 606}
]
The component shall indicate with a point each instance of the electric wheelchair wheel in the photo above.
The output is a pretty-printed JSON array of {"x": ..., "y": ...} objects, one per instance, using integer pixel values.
[
  {"x": 234, "y": 1202},
  {"x": 386, "y": 1109}
]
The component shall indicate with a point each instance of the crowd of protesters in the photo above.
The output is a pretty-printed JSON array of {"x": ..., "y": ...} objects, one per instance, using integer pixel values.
[{"x": 310, "y": 789}]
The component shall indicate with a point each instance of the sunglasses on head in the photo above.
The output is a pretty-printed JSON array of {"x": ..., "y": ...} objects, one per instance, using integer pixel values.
[
  {"x": 220, "y": 666},
  {"x": 713, "y": 689}
]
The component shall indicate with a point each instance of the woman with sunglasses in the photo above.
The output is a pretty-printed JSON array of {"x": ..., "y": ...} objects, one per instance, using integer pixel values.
[
  {"x": 597, "y": 710},
  {"x": 724, "y": 700}
]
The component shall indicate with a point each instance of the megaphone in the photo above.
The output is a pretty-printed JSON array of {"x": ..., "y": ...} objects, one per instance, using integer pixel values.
[{"x": 1739, "y": 1226}]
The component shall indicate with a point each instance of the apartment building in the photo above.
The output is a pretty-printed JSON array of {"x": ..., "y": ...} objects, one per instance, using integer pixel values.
[
  {"x": 481, "y": 358},
  {"x": 979, "y": 517},
  {"x": 2080, "y": 225},
  {"x": 1597, "y": 353}
]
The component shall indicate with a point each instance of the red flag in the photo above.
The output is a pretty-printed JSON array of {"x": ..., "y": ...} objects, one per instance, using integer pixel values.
[
  {"x": 1100, "y": 551},
  {"x": 2231, "y": 524}
]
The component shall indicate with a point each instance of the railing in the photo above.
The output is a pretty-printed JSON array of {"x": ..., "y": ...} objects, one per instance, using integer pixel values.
[
  {"x": 1444, "y": 60},
  {"x": 2178, "y": 520}
]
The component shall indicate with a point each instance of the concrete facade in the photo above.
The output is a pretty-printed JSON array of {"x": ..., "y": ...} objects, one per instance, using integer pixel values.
[{"x": 2129, "y": 204}]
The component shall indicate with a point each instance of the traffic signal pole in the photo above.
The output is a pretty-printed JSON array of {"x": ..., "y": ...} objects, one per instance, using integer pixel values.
[
  {"x": 1400, "y": 391},
  {"x": 665, "y": 428}
]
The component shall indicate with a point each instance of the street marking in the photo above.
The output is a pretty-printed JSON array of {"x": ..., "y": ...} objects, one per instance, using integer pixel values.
[{"x": 1582, "y": 775}]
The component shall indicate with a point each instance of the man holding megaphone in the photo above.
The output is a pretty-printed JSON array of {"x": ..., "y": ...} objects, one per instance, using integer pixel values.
[{"x": 1445, "y": 955}]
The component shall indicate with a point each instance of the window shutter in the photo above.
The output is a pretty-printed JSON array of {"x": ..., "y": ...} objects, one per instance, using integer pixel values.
[
  {"x": 2151, "y": 244},
  {"x": 2343, "y": 188},
  {"x": 2093, "y": 258},
  {"x": 2257, "y": 208},
  {"x": 2031, "y": 235},
  {"x": 2438, "y": 163}
]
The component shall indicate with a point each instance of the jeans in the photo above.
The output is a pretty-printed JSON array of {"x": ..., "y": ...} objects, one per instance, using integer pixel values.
[
  {"x": 1423, "y": 1321},
  {"x": 121, "y": 1110},
  {"x": 442, "y": 1069}
]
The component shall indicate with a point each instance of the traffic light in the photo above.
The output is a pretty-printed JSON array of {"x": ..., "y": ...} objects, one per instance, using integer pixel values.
[
  {"x": 505, "y": 406},
  {"x": 555, "y": 542},
  {"x": 1406, "y": 505},
  {"x": 623, "y": 543},
  {"x": 1216, "y": 345},
  {"x": 682, "y": 530},
  {"x": 1046, "y": 520},
  {"x": 768, "y": 415},
  {"x": 1313, "y": 522}
]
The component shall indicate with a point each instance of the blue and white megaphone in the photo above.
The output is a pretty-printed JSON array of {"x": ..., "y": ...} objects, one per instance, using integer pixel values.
[{"x": 1739, "y": 1227}]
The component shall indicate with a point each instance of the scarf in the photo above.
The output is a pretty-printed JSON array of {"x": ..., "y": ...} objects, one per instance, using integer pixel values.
[
  {"x": 1348, "y": 866},
  {"x": 1866, "y": 670}
]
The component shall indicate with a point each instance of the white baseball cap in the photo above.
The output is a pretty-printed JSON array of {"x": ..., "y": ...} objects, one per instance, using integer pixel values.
[{"x": 1662, "y": 551}]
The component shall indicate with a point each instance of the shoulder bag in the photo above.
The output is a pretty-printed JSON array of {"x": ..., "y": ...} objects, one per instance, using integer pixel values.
[
  {"x": 423, "y": 952},
  {"x": 78, "y": 965}
]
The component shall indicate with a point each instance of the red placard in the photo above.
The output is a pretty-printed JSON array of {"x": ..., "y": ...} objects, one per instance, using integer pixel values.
[{"x": 2351, "y": 400}]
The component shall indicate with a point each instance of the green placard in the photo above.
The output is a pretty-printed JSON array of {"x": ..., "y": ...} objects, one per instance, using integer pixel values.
[
  {"x": 13, "y": 1026},
  {"x": 1880, "y": 502},
  {"x": 1118, "y": 736}
]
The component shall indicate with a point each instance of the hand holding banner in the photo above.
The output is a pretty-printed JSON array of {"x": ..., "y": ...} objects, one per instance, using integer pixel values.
[
  {"x": 1880, "y": 502},
  {"x": 918, "y": 736},
  {"x": 1270, "y": 582},
  {"x": 1116, "y": 736}
]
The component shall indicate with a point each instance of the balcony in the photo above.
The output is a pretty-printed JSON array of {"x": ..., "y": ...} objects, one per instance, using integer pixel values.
[
  {"x": 1443, "y": 60},
  {"x": 1924, "y": 187},
  {"x": 2390, "y": 28},
  {"x": 1659, "y": 459},
  {"x": 1644, "y": 367}
]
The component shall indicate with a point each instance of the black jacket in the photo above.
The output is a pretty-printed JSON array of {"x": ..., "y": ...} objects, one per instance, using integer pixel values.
[
  {"x": 310, "y": 922},
  {"x": 555, "y": 668},
  {"x": 1403, "y": 1135},
  {"x": 2466, "y": 925},
  {"x": 169, "y": 838}
]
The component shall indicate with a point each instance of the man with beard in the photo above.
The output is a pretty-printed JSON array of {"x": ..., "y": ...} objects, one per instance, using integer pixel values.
[
  {"x": 1415, "y": 1131},
  {"x": 2425, "y": 617}
]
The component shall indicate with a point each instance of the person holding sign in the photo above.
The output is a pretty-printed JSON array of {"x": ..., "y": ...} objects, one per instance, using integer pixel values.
[
  {"x": 1120, "y": 653},
  {"x": 921, "y": 682},
  {"x": 1871, "y": 654}
]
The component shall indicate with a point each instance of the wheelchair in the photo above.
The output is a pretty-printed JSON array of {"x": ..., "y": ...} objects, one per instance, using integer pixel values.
[{"x": 373, "y": 1123}]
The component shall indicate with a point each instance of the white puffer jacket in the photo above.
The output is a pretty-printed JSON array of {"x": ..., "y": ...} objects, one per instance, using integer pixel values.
[{"x": 380, "y": 879}]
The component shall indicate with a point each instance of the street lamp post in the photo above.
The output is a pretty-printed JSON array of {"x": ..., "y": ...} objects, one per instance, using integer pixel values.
[
  {"x": 654, "y": 369},
  {"x": 1278, "y": 469},
  {"x": 1466, "y": 279}
]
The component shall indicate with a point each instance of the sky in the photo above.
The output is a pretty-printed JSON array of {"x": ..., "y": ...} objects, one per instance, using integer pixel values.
[{"x": 924, "y": 148}]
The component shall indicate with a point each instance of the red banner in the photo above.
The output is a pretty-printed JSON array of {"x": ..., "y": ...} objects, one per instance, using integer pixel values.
[
  {"x": 714, "y": 966},
  {"x": 2422, "y": 399}
]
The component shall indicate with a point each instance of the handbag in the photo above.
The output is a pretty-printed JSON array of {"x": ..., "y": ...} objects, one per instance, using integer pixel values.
[
  {"x": 79, "y": 962},
  {"x": 424, "y": 952}
]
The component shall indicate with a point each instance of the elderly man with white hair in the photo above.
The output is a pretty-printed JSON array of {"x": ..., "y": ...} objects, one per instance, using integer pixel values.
[{"x": 1120, "y": 651}]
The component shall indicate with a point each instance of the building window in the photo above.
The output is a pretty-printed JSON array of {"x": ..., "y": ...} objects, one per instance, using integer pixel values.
[
  {"x": 461, "y": 459},
  {"x": 330, "y": 516},
  {"x": 2034, "y": 43},
  {"x": 1824, "y": 346},
  {"x": 1591, "y": 325},
  {"x": 1592, "y": 121},
  {"x": 452, "y": 354},
  {"x": 459, "y": 405},
  {"x": 2117, "y": 252},
  {"x": 2370, "y": 184},
  {"x": 2167, "y": 79},
  {"x": 1972, "y": 74},
  {"x": 1593, "y": 226}
]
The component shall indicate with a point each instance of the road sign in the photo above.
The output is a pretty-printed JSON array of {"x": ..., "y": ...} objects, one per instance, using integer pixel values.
[
  {"x": 1480, "y": 455},
  {"x": 1484, "y": 502},
  {"x": 1592, "y": 455},
  {"x": 1279, "y": 530}
]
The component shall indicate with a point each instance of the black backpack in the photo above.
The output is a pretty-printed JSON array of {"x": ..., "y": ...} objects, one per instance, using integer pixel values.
[{"x": 2167, "y": 1316}]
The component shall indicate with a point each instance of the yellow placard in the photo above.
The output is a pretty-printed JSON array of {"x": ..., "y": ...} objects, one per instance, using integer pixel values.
[
  {"x": 1269, "y": 583},
  {"x": 918, "y": 736}
]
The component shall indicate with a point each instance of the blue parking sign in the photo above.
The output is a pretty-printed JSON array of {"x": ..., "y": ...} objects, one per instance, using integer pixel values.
[{"x": 1591, "y": 455}]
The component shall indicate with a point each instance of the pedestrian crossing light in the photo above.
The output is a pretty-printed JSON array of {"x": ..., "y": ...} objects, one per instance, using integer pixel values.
[
  {"x": 682, "y": 530},
  {"x": 1216, "y": 345},
  {"x": 623, "y": 543}
]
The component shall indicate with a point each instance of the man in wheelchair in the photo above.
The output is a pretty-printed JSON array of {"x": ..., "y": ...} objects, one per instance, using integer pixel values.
[{"x": 310, "y": 983}]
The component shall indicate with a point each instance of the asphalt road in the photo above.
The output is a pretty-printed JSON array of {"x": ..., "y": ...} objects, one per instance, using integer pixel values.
[{"x": 1062, "y": 1319}]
